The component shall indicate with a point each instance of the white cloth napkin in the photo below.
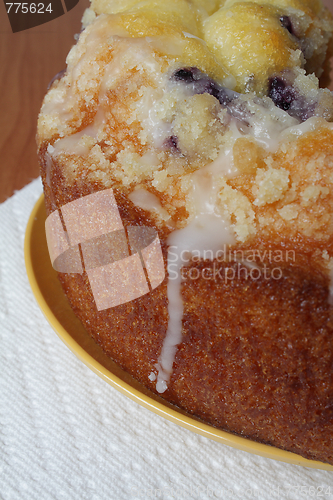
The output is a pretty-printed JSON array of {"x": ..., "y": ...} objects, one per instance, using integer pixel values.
[{"x": 66, "y": 434}]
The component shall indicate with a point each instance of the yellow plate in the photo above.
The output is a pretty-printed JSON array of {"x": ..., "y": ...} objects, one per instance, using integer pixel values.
[{"x": 53, "y": 303}]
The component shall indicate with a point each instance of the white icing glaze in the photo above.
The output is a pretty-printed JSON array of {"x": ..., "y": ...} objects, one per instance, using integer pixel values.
[
  {"x": 224, "y": 163},
  {"x": 189, "y": 35},
  {"x": 157, "y": 128},
  {"x": 266, "y": 122},
  {"x": 148, "y": 201},
  {"x": 71, "y": 144},
  {"x": 166, "y": 44},
  {"x": 310, "y": 125},
  {"x": 152, "y": 377},
  {"x": 208, "y": 230}
]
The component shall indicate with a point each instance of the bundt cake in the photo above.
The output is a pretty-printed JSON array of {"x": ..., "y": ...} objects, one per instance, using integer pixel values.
[{"x": 186, "y": 154}]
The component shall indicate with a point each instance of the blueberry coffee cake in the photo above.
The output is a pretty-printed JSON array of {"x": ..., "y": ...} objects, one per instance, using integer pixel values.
[{"x": 210, "y": 122}]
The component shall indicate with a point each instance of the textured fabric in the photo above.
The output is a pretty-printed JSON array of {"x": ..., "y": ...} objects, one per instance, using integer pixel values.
[{"x": 66, "y": 434}]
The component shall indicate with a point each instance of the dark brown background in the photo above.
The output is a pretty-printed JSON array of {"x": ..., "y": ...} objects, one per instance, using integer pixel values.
[{"x": 28, "y": 61}]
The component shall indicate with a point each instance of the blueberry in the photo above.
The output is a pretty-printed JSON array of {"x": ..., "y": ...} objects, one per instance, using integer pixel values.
[
  {"x": 286, "y": 23},
  {"x": 302, "y": 109},
  {"x": 187, "y": 75},
  {"x": 286, "y": 97},
  {"x": 281, "y": 91},
  {"x": 281, "y": 94},
  {"x": 207, "y": 86},
  {"x": 203, "y": 84},
  {"x": 226, "y": 96},
  {"x": 172, "y": 143}
]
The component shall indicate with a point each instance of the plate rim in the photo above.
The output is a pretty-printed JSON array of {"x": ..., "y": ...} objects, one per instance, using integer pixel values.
[{"x": 171, "y": 414}]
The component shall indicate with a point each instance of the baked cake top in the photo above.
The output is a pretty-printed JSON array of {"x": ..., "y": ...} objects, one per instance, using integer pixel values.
[{"x": 189, "y": 105}]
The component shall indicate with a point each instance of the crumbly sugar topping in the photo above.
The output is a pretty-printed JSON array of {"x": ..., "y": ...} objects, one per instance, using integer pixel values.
[{"x": 147, "y": 104}]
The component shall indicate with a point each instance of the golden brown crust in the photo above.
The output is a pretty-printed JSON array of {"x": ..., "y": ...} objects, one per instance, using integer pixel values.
[{"x": 265, "y": 382}]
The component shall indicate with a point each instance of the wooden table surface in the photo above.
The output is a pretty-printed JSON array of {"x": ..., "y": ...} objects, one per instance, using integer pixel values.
[{"x": 28, "y": 61}]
